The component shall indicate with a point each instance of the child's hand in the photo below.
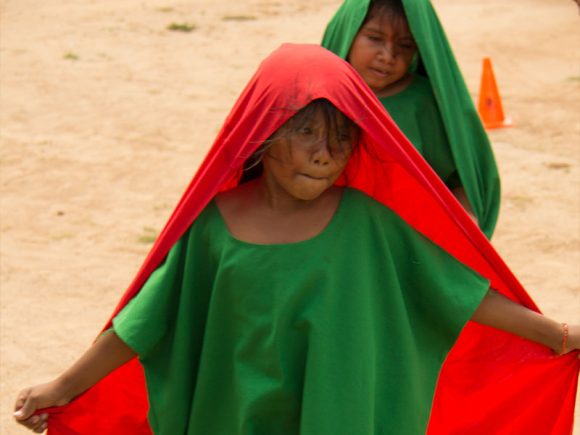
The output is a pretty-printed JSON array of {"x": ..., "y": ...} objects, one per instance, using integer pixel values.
[
  {"x": 105, "y": 355},
  {"x": 34, "y": 398}
]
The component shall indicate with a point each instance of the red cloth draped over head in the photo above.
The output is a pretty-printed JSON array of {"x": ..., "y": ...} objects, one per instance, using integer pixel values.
[{"x": 491, "y": 383}]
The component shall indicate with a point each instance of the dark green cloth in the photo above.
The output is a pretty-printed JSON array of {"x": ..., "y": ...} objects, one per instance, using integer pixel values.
[
  {"x": 469, "y": 145},
  {"x": 415, "y": 111},
  {"x": 341, "y": 334}
]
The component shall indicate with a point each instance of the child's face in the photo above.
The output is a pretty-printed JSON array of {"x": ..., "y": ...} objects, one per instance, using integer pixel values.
[
  {"x": 304, "y": 160},
  {"x": 382, "y": 52}
]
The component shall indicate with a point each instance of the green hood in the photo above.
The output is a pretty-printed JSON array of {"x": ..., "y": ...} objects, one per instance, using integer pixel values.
[{"x": 467, "y": 138}]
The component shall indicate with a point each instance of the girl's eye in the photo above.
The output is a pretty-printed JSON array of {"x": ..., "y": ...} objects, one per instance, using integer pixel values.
[
  {"x": 305, "y": 131},
  {"x": 341, "y": 150},
  {"x": 343, "y": 144},
  {"x": 374, "y": 38},
  {"x": 406, "y": 46}
]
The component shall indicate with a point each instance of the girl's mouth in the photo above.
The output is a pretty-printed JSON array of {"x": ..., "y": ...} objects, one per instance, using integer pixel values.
[
  {"x": 379, "y": 72},
  {"x": 311, "y": 177}
]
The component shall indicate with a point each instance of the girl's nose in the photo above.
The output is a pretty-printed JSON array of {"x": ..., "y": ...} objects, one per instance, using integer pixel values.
[
  {"x": 387, "y": 52},
  {"x": 321, "y": 155}
]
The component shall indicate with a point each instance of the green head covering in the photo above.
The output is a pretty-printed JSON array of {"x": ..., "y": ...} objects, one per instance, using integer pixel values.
[{"x": 468, "y": 141}]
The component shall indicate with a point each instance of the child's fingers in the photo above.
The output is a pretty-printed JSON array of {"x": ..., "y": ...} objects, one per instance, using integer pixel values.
[
  {"x": 36, "y": 423},
  {"x": 41, "y": 424},
  {"x": 41, "y": 428},
  {"x": 25, "y": 411},
  {"x": 25, "y": 407},
  {"x": 32, "y": 422},
  {"x": 20, "y": 400}
]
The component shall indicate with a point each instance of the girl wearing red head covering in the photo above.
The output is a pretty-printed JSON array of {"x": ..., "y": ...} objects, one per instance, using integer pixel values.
[{"x": 316, "y": 278}]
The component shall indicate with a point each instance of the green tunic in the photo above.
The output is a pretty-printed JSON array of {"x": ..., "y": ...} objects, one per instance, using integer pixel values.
[{"x": 341, "y": 334}]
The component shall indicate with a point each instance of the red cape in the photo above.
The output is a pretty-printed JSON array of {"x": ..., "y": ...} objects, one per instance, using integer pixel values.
[{"x": 491, "y": 383}]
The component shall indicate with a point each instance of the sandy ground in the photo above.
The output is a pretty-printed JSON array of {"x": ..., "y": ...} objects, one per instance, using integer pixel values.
[{"x": 105, "y": 115}]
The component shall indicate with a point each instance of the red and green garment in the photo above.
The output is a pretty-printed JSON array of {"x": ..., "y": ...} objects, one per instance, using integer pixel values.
[{"x": 362, "y": 329}]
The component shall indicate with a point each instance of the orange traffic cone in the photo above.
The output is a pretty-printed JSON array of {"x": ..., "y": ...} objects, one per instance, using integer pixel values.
[{"x": 490, "y": 108}]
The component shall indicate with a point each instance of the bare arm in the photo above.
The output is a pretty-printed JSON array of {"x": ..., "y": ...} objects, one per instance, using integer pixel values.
[
  {"x": 500, "y": 312},
  {"x": 104, "y": 356}
]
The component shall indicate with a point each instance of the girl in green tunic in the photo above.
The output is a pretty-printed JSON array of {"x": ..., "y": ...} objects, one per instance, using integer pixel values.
[
  {"x": 401, "y": 51},
  {"x": 294, "y": 304}
]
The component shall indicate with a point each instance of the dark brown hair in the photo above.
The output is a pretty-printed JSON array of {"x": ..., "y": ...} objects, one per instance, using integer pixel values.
[
  {"x": 335, "y": 121},
  {"x": 394, "y": 8}
]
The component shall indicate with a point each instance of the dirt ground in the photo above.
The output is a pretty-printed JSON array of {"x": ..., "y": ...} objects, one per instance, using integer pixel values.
[{"x": 106, "y": 113}]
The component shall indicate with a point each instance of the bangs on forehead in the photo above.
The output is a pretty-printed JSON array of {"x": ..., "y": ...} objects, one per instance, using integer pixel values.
[
  {"x": 332, "y": 116},
  {"x": 336, "y": 123},
  {"x": 390, "y": 10}
]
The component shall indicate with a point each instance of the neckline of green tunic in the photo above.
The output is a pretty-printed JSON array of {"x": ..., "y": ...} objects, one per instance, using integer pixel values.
[
  {"x": 328, "y": 228},
  {"x": 467, "y": 138}
]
